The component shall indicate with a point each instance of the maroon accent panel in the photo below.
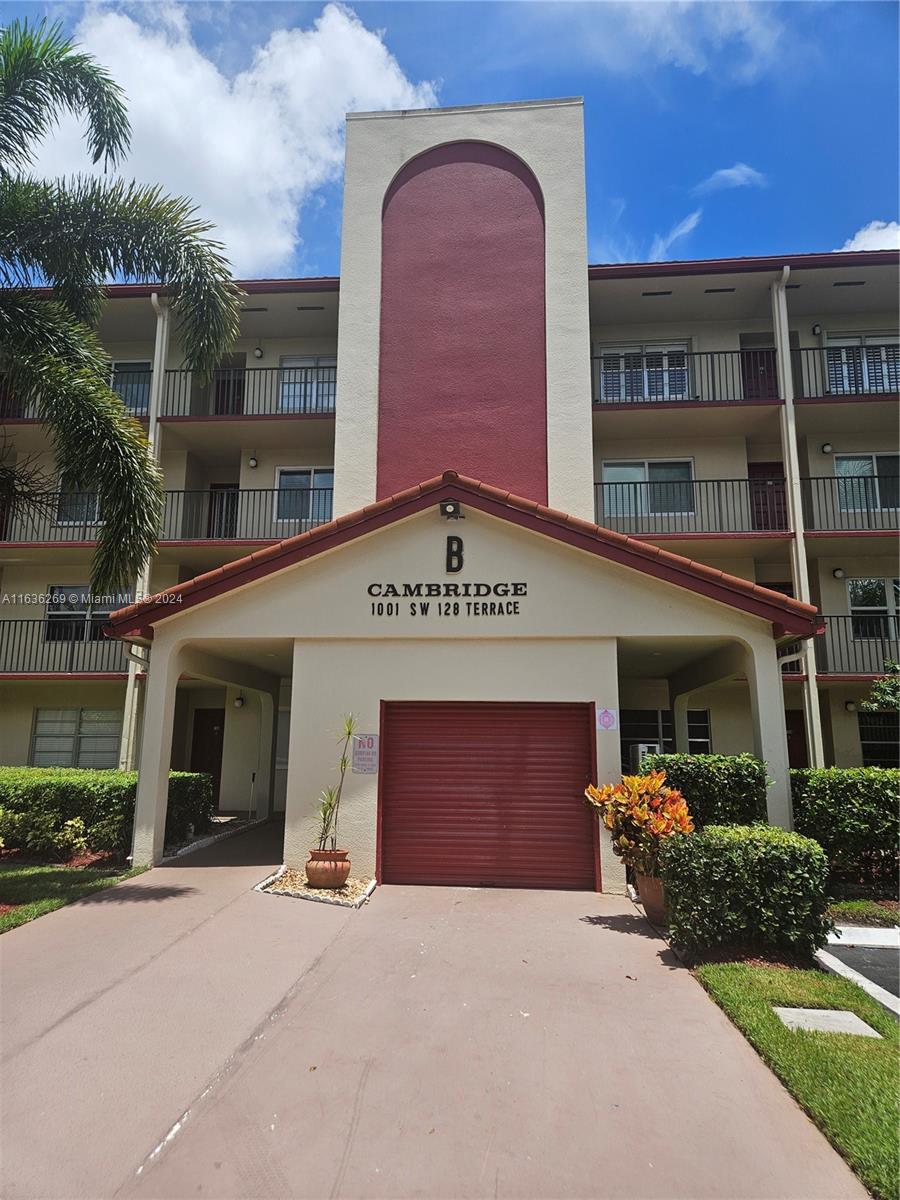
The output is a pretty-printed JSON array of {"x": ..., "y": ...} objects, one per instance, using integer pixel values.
[
  {"x": 481, "y": 794},
  {"x": 462, "y": 370}
]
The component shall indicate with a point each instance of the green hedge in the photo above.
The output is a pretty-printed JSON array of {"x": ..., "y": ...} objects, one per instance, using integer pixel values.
[
  {"x": 745, "y": 886},
  {"x": 719, "y": 789},
  {"x": 853, "y": 813},
  {"x": 61, "y": 810}
]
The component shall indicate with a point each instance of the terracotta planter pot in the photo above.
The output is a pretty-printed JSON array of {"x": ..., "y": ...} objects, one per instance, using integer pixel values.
[
  {"x": 653, "y": 897},
  {"x": 327, "y": 868}
]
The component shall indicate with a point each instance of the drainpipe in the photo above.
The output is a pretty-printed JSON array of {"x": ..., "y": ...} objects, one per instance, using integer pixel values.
[
  {"x": 799, "y": 565},
  {"x": 128, "y": 744}
]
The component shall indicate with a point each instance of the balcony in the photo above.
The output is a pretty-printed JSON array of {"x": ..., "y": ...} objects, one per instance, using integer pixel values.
[
  {"x": 59, "y": 646},
  {"x": 851, "y": 503},
  {"x": 621, "y": 379},
  {"x": 845, "y": 372},
  {"x": 857, "y": 645},
  {"x": 237, "y": 392},
  {"x": 679, "y": 508},
  {"x": 263, "y": 515}
]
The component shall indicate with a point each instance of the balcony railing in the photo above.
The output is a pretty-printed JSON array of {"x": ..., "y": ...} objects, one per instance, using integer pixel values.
[
  {"x": 221, "y": 515},
  {"x": 857, "y": 645},
  {"x": 849, "y": 503},
  {"x": 847, "y": 370},
  {"x": 693, "y": 506},
  {"x": 58, "y": 645},
  {"x": 132, "y": 386},
  {"x": 251, "y": 392},
  {"x": 244, "y": 515},
  {"x": 679, "y": 376}
]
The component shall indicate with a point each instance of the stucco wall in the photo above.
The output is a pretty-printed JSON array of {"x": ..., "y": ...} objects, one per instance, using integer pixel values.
[{"x": 19, "y": 699}]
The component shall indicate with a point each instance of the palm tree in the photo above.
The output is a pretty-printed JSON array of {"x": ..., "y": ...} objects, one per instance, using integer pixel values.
[{"x": 60, "y": 241}]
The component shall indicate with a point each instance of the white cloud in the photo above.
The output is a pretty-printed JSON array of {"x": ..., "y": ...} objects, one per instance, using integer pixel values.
[
  {"x": 250, "y": 149},
  {"x": 736, "y": 40},
  {"x": 877, "y": 235},
  {"x": 738, "y": 176},
  {"x": 659, "y": 251}
]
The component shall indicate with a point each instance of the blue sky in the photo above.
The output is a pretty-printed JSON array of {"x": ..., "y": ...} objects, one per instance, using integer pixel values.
[{"x": 711, "y": 129}]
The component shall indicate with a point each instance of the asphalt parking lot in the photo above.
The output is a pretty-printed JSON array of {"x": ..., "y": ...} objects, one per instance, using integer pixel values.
[{"x": 879, "y": 964}]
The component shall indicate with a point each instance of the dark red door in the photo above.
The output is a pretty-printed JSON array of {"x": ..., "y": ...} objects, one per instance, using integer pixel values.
[
  {"x": 796, "y": 738},
  {"x": 487, "y": 795},
  {"x": 207, "y": 743},
  {"x": 759, "y": 374},
  {"x": 767, "y": 497}
]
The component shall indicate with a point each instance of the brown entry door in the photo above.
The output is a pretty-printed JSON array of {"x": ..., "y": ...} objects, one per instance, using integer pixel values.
[
  {"x": 796, "y": 738},
  {"x": 477, "y": 795},
  {"x": 759, "y": 374},
  {"x": 768, "y": 503},
  {"x": 207, "y": 743}
]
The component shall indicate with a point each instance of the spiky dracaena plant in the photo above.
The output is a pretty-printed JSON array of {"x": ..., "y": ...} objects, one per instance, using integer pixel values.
[
  {"x": 65, "y": 238},
  {"x": 330, "y": 799}
]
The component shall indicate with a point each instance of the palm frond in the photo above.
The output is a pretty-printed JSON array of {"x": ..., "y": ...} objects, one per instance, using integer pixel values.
[
  {"x": 42, "y": 75},
  {"x": 73, "y": 233}
]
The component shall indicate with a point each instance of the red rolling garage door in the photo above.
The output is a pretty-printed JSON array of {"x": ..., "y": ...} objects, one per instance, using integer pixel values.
[{"x": 487, "y": 794}]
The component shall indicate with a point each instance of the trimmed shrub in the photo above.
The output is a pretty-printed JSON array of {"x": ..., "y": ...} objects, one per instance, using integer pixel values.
[
  {"x": 57, "y": 811},
  {"x": 752, "y": 887},
  {"x": 853, "y": 812},
  {"x": 719, "y": 789}
]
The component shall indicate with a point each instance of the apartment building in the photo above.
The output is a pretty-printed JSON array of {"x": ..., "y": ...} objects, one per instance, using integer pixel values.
[{"x": 446, "y": 426}]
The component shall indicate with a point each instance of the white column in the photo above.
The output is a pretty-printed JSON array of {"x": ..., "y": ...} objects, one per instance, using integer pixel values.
[
  {"x": 679, "y": 713},
  {"x": 800, "y": 568},
  {"x": 129, "y": 739},
  {"x": 770, "y": 732},
  {"x": 156, "y": 756},
  {"x": 265, "y": 775},
  {"x": 609, "y": 766}
]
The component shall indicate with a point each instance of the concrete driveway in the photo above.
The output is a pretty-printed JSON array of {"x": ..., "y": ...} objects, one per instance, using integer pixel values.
[{"x": 191, "y": 1037}]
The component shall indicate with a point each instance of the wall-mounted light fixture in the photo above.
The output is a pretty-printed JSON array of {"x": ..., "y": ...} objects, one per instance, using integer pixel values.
[
  {"x": 239, "y": 702},
  {"x": 850, "y": 705},
  {"x": 827, "y": 447},
  {"x": 258, "y": 352},
  {"x": 838, "y": 572},
  {"x": 253, "y": 462},
  {"x": 451, "y": 509},
  {"x": 816, "y": 329}
]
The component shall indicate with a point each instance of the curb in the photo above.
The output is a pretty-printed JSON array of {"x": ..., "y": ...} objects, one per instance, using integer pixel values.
[{"x": 834, "y": 966}]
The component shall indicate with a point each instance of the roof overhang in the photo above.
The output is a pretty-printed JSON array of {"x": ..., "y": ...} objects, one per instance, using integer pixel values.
[{"x": 788, "y": 617}]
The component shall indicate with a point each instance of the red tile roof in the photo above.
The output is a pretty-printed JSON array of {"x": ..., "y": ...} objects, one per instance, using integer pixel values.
[{"x": 787, "y": 615}]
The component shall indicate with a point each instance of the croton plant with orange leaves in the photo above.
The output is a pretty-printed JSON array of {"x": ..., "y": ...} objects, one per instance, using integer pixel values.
[{"x": 640, "y": 812}]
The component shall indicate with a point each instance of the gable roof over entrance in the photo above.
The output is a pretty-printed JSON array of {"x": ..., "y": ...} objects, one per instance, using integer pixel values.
[{"x": 788, "y": 616}]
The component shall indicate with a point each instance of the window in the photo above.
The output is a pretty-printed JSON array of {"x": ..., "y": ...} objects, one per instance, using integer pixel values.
[
  {"x": 879, "y": 736},
  {"x": 307, "y": 384},
  {"x": 75, "y": 506},
  {"x": 643, "y": 373},
  {"x": 651, "y": 725},
  {"x": 868, "y": 363},
  {"x": 131, "y": 381},
  {"x": 304, "y": 494},
  {"x": 71, "y": 617},
  {"x": 633, "y": 488},
  {"x": 874, "y": 605},
  {"x": 867, "y": 481},
  {"x": 76, "y": 737}
]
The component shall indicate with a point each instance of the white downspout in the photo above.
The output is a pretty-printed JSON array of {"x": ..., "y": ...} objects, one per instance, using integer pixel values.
[
  {"x": 128, "y": 744},
  {"x": 799, "y": 564}
]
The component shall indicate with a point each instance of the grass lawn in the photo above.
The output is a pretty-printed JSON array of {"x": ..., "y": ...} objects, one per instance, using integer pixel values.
[
  {"x": 847, "y": 1084},
  {"x": 34, "y": 890},
  {"x": 863, "y": 912}
]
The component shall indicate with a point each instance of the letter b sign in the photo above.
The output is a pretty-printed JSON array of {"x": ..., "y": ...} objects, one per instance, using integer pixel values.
[{"x": 454, "y": 555}]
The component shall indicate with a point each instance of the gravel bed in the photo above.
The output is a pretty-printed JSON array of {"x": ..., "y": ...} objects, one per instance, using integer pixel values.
[{"x": 293, "y": 883}]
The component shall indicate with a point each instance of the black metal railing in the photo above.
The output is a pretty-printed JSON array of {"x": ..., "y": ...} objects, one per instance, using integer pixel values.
[
  {"x": 846, "y": 370},
  {"x": 59, "y": 645},
  {"x": 857, "y": 645},
  {"x": 251, "y": 391},
  {"x": 220, "y": 515},
  {"x": 693, "y": 506},
  {"x": 244, "y": 515},
  {"x": 679, "y": 376},
  {"x": 851, "y": 502},
  {"x": 132, "y": 386}
]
